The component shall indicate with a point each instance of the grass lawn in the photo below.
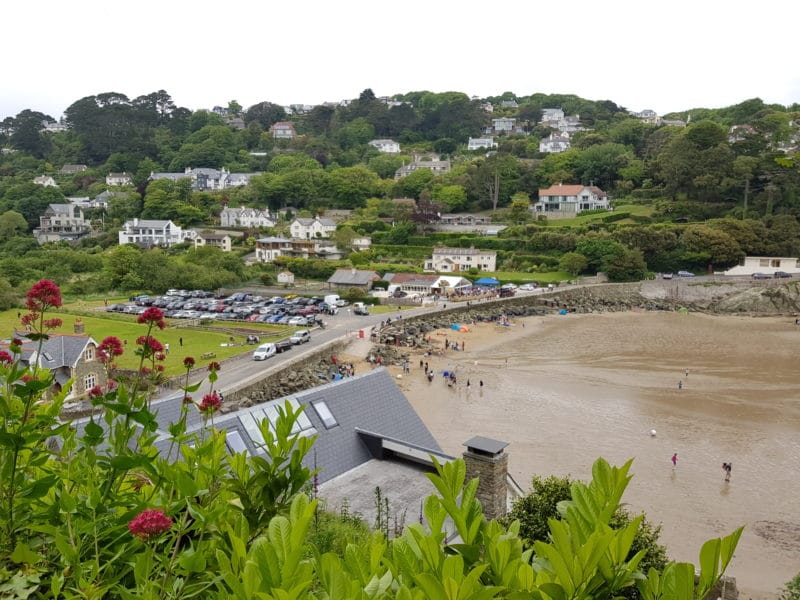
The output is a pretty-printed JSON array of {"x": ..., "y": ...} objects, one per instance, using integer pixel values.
[
  {"x": 196, "y": 342},
  {"x": 638, "y": 210},
  {"x": 517, "y": 276}
]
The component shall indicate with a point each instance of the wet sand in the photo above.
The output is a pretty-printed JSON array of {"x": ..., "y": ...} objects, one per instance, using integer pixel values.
[{"x": 564, "y": 390}]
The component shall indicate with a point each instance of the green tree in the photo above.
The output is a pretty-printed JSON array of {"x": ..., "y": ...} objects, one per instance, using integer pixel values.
[
  {"x": 12, "y": 224},
  {"x": 599, "y": 250},
  {"x": 385, "y": 165},
  {"x": 412, "y": 185},
  {"x": 722, "y": 249},
  {"x": 351, "y": 186},
  {"x": 520, "y": 210},
  {"x": 628, "y": 265},
  {"x": 573, "y": 263},
  {"x": 453, "y": 197}
]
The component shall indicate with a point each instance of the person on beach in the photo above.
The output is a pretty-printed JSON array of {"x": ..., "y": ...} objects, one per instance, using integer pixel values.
[
  {"x": 687, "y": 373},
  {"x": 680, "y": 384},
  {"x": 480, "y": 383},
  {"x": 727, "y": 467},
  {"x": 674, "y": 460}
]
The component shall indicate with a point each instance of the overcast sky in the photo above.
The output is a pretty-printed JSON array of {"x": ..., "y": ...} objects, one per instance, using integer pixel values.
[{"x": 667, "y": 56}]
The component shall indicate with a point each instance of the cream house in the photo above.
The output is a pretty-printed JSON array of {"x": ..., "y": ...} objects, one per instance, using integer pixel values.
[
  {"x": 217, "y": 240},
  {"x": 452, "y": 260},
  {"x": 312, "y": 228},
  {"x": 571, "y": 199},
  {"x": 151, "y": 232}
]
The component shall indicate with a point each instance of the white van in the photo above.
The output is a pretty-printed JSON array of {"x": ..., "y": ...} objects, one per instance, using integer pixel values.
[
  {"x": 264, "y": 351},
  {"x": 332, "y": 299},
  {"x": 359, "y": 308}
]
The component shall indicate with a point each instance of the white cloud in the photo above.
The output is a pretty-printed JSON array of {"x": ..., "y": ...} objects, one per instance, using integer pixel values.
[{"x": 665, "y": 56}]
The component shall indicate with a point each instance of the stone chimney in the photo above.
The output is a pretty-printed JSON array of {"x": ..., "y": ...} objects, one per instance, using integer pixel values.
[{"x": 485, "y": 459}]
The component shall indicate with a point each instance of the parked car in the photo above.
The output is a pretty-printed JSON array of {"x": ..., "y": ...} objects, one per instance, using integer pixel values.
[
  {"x": 781, "y": 275},
  {"x": 685, "y": 274},
  {"x": 666, "y": 276},
  {"x": 527, "y": 287},
  {"x": 760, "y": 276},
  {"x": 359, "y": 308},
  {"x": 264, "y": 351},
  {"x": 300, "y": 337},
  {"x": 283, "y": 346},
  {"x": 298, "y": 321}
]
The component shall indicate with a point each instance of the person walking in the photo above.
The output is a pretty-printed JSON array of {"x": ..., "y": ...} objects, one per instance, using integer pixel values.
[
  {"x": 727, "y": 467},
  {"x": 680, "y": 384},
  {"x": 674, "y": 460},
  {"x": 180, "y": 342},
  {"x": 687, "y": 373}
]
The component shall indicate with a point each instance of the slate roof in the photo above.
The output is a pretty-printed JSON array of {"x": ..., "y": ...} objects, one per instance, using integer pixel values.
[
  {"x": 365, "y": 408},
  {"x": 57, "y": 351},
  {"x": 353, "y": 277}
]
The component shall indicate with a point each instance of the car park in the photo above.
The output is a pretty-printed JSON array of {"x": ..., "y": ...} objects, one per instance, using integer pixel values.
[
  {"x": 761, "y": 276},
  {"x": 300, "y": 337},
  {"x": 685, "y": 274},
  {"x": 264, "y": 351},
  {"x": 781, "y": 275}
]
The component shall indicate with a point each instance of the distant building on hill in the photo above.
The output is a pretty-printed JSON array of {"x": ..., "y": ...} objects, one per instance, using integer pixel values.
[{"x": 571, "y": 199}]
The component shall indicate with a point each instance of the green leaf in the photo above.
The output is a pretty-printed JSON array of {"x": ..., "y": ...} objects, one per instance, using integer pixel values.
[
  {"x": 24, "y": 555},
  {"x": 193, "y": 561}
]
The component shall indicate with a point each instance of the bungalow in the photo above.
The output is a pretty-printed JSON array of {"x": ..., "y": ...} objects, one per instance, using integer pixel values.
[
  {"x": 427, "y": 285},
  {"x": 480, "y": 142},
  {"x": 304, "y": 228},
  {"x": 387, "y": 146},
  {"x": 765, "y": 264},
  {"x": 464, "y": 219},
  {"x": 461, "y": 259},
  {"x": 571, "y": 199},
  {"x": 67, "y": 357},
  {"x": 72, "y": 169},
  {"x": 343, "y": 279},
  {"x": 116, "y": 179},
  {"x": 217, "y": 240},
  {"x": 61, "y": 222},
  {"x": 283, "y": 130},
  {"x": 246, "y": 217},
  {"x": 151, "y": 232}
]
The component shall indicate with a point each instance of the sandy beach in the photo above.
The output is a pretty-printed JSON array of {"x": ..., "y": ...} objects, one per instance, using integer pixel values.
[{"x": 563, "y": 390}]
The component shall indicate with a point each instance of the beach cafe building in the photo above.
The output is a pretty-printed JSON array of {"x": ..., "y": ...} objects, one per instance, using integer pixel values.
[
  {"x": 428, "y": 285},
  {"x": 765, "y": 264}
]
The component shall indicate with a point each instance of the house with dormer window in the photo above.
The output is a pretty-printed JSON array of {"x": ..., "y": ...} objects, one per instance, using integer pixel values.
[
  {"x": 307, "y": 229},
  {"x": 571, "y": 199}
]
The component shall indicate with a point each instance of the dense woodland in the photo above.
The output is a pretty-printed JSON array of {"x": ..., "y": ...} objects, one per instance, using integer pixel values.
[{"x": 715, "y": 196}]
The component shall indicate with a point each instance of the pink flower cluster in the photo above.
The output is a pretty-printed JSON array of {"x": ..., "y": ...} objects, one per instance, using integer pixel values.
[
  {"x": 150, "y": 523},
  {"x": 211, "y": 403},
  {"x": 152, "y": 316}
]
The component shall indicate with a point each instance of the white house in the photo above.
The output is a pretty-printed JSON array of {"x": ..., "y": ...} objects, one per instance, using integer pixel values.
[
  {"x": 446, "y": 260},
  {"x": 118, "y": 179},
  {"x": 45, "y": 180},
  {"x": 205, "y": 179},
  {"x": 504, "y": 124},
  {"x": 151, "y": 232},
  {"x": 550, "y": 115},
  {"x": 217, "y": 240},
  {"x": 648, "y": 116},
  {"x": 432, "y": 162},
  {"x": 61, "y": 222},
  {"x": 283, "y": 130},
  {"x": 571, "y": 199},
  {"x": 286, "y": 277},
  {"x": 481, "y": 142},
  {"x": 269, "y": 248},
  {"x": 312, "y": 228},
  {"x": 554, "y": 143},
  {"x": 765, "y": 264},
  {"x": 388, "y": 146},
  {"x": 246, "y": 217},
  {"x": 361, "y": 243}
]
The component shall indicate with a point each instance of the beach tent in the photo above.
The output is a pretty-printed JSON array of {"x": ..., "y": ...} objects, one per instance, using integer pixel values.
[
  {"x": 563, "y": 311},
  {"x": 455, "y": 327},
  {"x": 463, "y": 329},
  {"x": 487, "y": 281}
]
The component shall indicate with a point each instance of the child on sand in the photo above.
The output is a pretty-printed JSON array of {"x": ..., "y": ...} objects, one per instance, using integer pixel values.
[{"x": 674, "y": 460}]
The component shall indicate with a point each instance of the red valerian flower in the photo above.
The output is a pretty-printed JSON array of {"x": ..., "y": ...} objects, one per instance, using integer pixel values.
[
  {"x": 53, "y": 323},
  {"x": 5, "y": 357},
  {"x": 150, "y": 523},
  {"x": 27, "y": 378},
  {"x": 213, "y": 366},
  {"x": 161, "y": 356},
  {"x": 146, "y": 371},
  {"x": 211, "y": 403},
  {"x": 111, "y": 385},
  {"x": 29, "y": 318},
  {"x": 188, "y": 362},
  {"x": 43, "y": 295},
  {"x": 95, "y": 392},
  {"x": 154, "y": 316},
  {"x": 187, "y": 399},
  {"x": 159, "y": 368},
  {"x": 110, "y": 347},
  {"x": 150, "y": 344}
]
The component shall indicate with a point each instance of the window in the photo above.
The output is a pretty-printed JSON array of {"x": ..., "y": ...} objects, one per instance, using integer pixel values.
[
  {"x": 325, "y": 414},
  {"x": 89, "y": 381},
  {"x": 89, "y": 354}
]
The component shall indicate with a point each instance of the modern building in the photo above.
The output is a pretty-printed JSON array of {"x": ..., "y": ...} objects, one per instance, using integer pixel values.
[
  {"x": 62, "y": 222},
  {"x": 766, "y": 264},
  {"x": 151, "y": 232},
  {"x": 387, "y": 146},
  {"x": 480, "y": 142}
]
